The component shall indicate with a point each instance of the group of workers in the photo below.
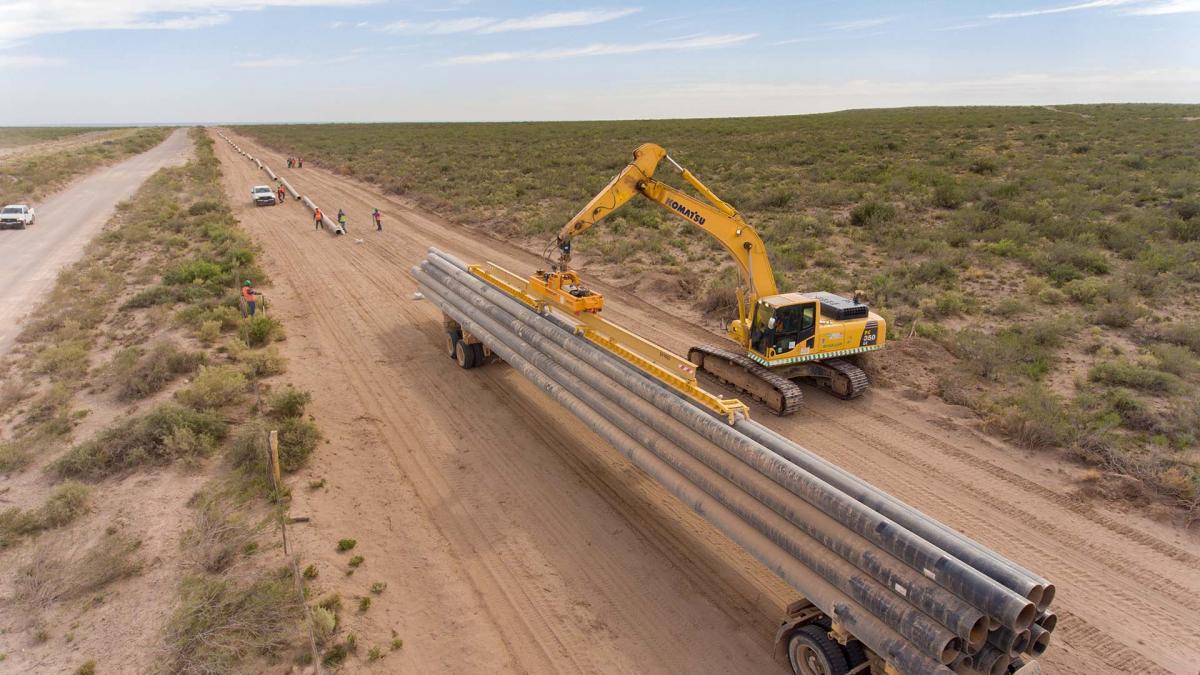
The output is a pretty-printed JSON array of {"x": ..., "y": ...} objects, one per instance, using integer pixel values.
[
  {"x": 318, "y": 216},
  {"x": 295, "y": 163}
]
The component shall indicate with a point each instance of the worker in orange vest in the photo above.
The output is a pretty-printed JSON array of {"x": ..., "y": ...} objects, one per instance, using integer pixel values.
[
  {"x": 317, "y": 217},
  {"x": 250, "y": 296}
]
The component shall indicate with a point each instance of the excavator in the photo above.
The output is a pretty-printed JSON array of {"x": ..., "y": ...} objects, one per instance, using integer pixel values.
[{"x": 781, "y": 337}]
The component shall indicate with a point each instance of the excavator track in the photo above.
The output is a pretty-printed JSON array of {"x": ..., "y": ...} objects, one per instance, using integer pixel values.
[
  {"x": 779, "y": 394},
  {"x": 846, "y": 380}
]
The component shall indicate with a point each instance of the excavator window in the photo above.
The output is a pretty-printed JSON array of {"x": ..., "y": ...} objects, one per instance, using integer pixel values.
[{"x": 782, "y": 328}]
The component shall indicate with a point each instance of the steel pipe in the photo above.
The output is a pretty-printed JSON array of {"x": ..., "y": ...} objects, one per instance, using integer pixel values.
[
  {"x": 656, "y": 429},
  {"x": 874, "y": 633},
  {"x": 289, "y": 187},
  {"x": 1034, "y": 588},
  {"x": 1039, "y": 640},
  {"x": 902, "y": 584},
  {"x": 991, "y": 661},
  {"x": 981, "y": 591},
  {"x": 326, "y": 222}
]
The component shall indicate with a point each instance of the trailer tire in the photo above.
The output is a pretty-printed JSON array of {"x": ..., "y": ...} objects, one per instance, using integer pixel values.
[
  {"x": 479, "y": 357},
  {"x": 464, "y": 355},
  {"x": 812, "y": 652},
  {"x": 452, "y": 337}
]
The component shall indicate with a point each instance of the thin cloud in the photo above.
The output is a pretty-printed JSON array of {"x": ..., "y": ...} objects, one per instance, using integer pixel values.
[
  {"x": 601, "y": 49},
  {"x": 561, "y": 20},
  {"x": 28, "y": 60},
  {"x": 274, "y": 62},
  {"x": 486, "y": 24},
  {"x": 1168, "y": 7},
  {"x": 1093, "y": 4},
  {"x": 23, "y": 20},
  {"x": 183, "y": 22},
  {"x": 861, "y": 24}
]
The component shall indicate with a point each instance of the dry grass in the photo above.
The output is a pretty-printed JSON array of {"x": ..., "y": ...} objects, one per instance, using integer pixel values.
[
  {"x": 220, "y": 621},
  {"x": 57, "y": 572}
]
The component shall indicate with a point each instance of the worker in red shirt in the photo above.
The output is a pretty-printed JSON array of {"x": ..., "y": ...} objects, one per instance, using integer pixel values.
[
  {"x": 250, "y": 296},
  {"x": 317, "y": 217},
  {"x": 282, "y": 194}
]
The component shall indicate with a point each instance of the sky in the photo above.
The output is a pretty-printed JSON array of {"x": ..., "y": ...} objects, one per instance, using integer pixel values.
[{"x": 230, "y": 61}]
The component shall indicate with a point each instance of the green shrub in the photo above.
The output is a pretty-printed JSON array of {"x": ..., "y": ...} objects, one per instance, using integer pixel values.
[
  {"x": 66, "y": 503},
  {"x": 87, "y": 668},
  {"x": 1117, "y": 314},
  {"x": 1186, "y": 333},
  {"x": 193, "y": 271},
  {"x": 215, "y": 387},
  {"x": 947, "y": 195},
  {"x": 324, "y": 624},
  {"x": 1033, "y": 419},
  {"x": 248, "y": 446},
  {"x": 1134, "y": 376},
  {"x": 138, "y": 376},
  {"x": 297, "y": 440},
  {"x": 344, "y": 545},
  {"x": 67, "y": 361},
  {"x": 872, "y": 213},
  {"x": 261, "y": 363},
  {"x": 141, "y": 440},
  {"x": 13, "y": 456},
  {"x": 258, "y": 330},
  {"x": 289, "y": 402},
  {"x": 219, "y": 622},
  {"x": 208, "y": 332}
]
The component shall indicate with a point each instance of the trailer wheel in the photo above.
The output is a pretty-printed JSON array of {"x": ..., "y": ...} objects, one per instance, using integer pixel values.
[
  {"x": 479, "y": 357},
  {"x": 464, "y": 354},
  {"x": 452, "y": 337},
  {"x": 811, "y": 652}
]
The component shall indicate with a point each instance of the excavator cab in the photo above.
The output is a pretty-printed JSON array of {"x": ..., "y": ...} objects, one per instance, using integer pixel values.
[{"x": 781, "y": 329}]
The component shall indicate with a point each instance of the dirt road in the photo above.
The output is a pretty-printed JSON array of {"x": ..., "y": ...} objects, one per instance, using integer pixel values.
[
  {"x": 511, "y": 540},
  {"x": 65, "y": 223}
]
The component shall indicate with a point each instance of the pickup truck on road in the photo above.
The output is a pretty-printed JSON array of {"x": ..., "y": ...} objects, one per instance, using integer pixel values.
[
  {"x": 19, "y": 216},
  {"x": 263, "y": 195}
]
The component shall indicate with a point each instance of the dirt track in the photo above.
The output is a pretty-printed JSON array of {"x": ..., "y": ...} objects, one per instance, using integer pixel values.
[
  {"x": 512, "y": 541},
  {"x": 66, "y": 221}
]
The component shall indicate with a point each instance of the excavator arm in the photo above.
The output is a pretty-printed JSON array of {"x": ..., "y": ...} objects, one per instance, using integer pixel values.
[{"x": 714, "y": 216}]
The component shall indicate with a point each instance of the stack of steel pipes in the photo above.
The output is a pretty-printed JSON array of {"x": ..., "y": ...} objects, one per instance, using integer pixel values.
[{"x": 920, "y": 595}]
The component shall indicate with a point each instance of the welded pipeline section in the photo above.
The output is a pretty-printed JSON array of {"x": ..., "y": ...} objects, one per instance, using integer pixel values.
[
  {"x": 326, "y": 222},
  {"x": 917, "y": 600},
  {"x": 288, "y": 186}
]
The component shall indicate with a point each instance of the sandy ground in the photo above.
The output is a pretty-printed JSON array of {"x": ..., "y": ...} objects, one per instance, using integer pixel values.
[
  {"x": 511, "y": 540},
  {"x": 65, "y": 223}
]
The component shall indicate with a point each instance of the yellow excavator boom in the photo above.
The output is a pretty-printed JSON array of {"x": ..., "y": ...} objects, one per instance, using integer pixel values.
[{"x": 715, "y": 216}]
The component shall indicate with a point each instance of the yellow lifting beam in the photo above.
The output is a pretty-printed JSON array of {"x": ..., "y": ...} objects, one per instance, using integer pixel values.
[{"x": 658, "y": 362}]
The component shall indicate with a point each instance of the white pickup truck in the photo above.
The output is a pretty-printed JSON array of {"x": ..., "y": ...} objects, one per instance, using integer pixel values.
[
  {"x": 19, "y": 216},
  {"x": 263, "y": 195}
]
